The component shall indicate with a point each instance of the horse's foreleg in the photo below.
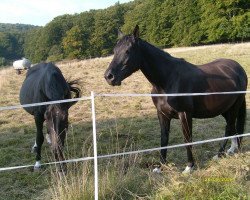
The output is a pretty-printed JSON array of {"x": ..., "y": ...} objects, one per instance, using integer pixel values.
[
  {"x": 165, "y": 126},
  {"x": 186, "y": 122},
  {"x": 39, "y": 141}
]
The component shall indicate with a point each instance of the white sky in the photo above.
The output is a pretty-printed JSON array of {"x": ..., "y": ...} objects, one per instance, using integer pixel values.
[{"x": 40, "y": 12}]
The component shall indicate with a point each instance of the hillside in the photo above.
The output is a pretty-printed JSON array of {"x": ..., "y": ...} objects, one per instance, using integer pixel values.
[
  {"x": 12, "y": 37},
  {"x": 164, "y": 23},
  {"x": 123, "y": 124},
  {"x": 10, "y": 28}
]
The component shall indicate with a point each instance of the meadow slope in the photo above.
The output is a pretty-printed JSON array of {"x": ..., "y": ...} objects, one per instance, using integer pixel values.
[{"x": 123, "y": 124}]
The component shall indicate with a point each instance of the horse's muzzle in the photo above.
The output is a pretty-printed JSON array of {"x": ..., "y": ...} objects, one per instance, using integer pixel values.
[{"x": 110, "y": 78}]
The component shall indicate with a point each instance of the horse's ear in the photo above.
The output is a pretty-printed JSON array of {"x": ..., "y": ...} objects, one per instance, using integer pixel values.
[
  {"x": 120, "y": 34},
  {"x": 136, "y": 31}
]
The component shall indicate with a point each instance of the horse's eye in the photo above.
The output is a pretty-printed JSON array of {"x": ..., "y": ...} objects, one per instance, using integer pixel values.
[
  {"x": 124, "y": 67},
  {"x": 127, "y": 51}
]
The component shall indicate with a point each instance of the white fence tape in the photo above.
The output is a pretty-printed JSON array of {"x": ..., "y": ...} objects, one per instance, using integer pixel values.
[
  {"x": 130, "y": 152},
  {"x": 170, "y": 95},
  {"x": 43, "y": 103},
  {"x": 119, "y": 95},
  {"x": 50, "y": 163}
]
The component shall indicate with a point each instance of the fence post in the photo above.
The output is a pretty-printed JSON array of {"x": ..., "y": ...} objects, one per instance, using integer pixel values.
[{"x": 94, "y": 144}]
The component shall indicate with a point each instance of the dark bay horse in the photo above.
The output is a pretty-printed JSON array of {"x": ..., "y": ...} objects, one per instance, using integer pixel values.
[
  {"x": 45, "y": 82},
  {"x": 173, "y": 75}
]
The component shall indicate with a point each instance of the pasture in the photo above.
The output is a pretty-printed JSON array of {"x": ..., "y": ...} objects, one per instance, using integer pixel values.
[{"x": 123, "y": 124}]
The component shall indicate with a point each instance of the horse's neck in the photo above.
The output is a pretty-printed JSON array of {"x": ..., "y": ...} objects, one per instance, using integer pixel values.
[{"x": 158, "y": 65}]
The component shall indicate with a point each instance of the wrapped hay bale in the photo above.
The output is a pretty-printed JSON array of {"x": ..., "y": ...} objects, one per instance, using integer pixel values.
[{"x": 21, "y": 65}]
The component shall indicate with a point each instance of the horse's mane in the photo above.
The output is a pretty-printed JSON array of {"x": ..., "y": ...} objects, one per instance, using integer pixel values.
[
  {"x": 34, "y": 69},
  {"x": 159, "y": 51}
]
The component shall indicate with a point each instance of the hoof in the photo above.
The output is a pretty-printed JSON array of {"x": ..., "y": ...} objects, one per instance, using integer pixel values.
[
  {"x": 188, "y": 170},
  {"x": 230, "y": 152},
  {"x": 37, "y": 166},
  {"x": 234, "y": 147},
  {"x": 157, "y": 170},
  {"x": 219, "y": 156}
]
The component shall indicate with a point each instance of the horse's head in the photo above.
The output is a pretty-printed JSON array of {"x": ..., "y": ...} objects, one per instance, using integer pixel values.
[
  {"x": 56, "y": 117},
  {"x": 127, "y": 58}
]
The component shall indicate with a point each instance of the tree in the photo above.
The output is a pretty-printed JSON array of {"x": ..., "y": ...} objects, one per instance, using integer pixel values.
[
  {"x": 106, "y": 25},
  {"x": 8, "y": 46},
  {"x": 73, "y": 43},
  {"x": 226, "y": 20}
]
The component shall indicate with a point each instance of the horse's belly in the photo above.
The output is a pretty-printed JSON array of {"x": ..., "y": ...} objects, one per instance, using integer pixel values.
[{"x": 213, "y": 105}]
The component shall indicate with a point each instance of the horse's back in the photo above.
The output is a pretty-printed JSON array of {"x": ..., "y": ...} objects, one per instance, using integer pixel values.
[
  {"x": 38, "y": 79},
  {"x": 227, "y": 71}
]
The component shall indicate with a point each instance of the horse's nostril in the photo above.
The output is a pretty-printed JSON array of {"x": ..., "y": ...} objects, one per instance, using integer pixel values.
[{"x": 110, "y": 77}]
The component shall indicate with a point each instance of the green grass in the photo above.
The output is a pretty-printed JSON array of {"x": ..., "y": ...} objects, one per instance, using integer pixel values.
[{"x": 123, "y": 124}]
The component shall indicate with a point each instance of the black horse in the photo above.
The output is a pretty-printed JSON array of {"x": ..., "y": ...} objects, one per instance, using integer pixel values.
[
  {"x": 45, "y": 82},
  {"x": 173, "y": 75}
]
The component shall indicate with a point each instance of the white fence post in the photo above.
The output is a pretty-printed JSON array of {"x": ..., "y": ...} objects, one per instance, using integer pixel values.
[{"x": 95, "y": 144}]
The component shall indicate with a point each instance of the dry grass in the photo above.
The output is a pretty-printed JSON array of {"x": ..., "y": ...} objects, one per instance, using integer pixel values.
[
  {"x": 3, "y": 78},
  {"x": 123, "y": 124},
  {"x": 226, "y": 179}
]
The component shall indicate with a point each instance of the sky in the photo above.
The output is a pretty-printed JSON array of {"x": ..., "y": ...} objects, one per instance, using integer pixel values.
[{"x": 40, "y": 12}]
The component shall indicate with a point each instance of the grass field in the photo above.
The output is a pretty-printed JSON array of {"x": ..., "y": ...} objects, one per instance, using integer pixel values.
[{"x": 123, "y": 124}]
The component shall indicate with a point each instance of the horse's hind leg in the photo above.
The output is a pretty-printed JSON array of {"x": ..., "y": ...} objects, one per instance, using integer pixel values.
[
  {"x": 230, "y": 117},
  {"x": 39, "y": 140},
  {"x": 241, "y": 119},
  {"x": 223, "y": 145},
  {"x": 238, "y": 112}
]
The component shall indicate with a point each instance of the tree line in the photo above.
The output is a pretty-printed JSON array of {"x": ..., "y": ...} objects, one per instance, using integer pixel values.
[{"x": 165, "y": 23}]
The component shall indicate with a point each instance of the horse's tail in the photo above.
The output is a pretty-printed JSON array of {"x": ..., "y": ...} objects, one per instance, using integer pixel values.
[
  {"x": 74, "y": 88},
  {"x": 241, "y": 119}
]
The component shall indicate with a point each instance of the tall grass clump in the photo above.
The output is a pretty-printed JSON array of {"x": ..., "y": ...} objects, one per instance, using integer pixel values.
[{"x": 119, "y": 178}]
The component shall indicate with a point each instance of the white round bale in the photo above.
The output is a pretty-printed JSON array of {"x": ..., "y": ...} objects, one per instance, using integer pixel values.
[{"x": 22, "y": 64}]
